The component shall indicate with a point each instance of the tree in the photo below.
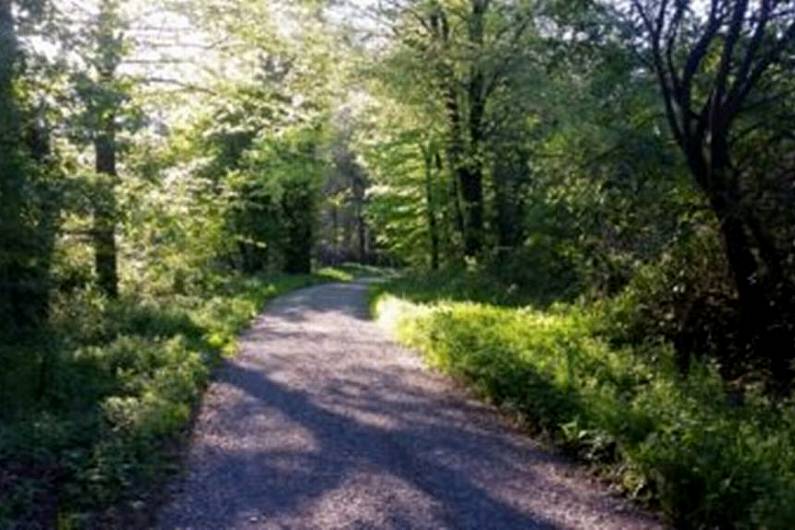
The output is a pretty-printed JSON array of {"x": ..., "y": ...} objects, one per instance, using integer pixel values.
[
  {"x": 345, "y": 230},
  {"x": 432, "y": 166},
  {"x": 466, "y": 51},
  {"x": 26, "y": 221},
  {"x": 102, "y": 93},
  {"x": 719, "y": 71}
]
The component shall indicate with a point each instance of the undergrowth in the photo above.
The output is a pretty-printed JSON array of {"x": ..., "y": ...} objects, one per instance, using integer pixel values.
[
  {"x": 705, "y": 456},
  {"x": 90, "y": 423}
]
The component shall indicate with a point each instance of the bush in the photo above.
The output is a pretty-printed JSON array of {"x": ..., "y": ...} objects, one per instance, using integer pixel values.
[
  {"x": 111, "y": 384},
  {"x": 687, "y": 298},
  {"x": 705, "y": 457}
]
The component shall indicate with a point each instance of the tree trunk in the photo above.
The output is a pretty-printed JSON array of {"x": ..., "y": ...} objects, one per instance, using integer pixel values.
[
  {"x": 298, "y": 205},
  {"x": 433, "y": 228},
  {"x": 509, "y": 175},
  {"x": 458, "y": 211},
  {"x": 765, "y": 302},
  {"x": 335, "y": 234},
  {"x": 471, "y": 180},
  {"x": 24, "y": 243},
  {"x": 471, "y": 171},
  {"x": 362, "y": 236},
  {"x": 359, "y": 191},
  {"x": 105, "y": 250}
]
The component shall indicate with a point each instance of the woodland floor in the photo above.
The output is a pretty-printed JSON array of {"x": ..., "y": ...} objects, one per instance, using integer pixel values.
[{"x": 323, "y": 422}]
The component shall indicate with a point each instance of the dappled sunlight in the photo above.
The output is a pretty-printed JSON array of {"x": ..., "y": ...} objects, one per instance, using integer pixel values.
[
  {"x": 342, "y": 413},
  {"x": 578, "y": 213}
]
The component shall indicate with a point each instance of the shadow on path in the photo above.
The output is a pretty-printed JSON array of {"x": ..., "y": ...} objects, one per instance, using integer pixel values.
[{"x": 322, "y": 422}]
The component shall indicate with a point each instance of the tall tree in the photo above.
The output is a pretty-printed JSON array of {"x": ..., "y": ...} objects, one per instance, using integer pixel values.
[
  {"x": 103, "y": 96},
  {"x": 466, "y": 52},
  {"x": 25, "y": 238},
  {"x": 720, "y": 71},
  {"x": 431, "y": 164},
  {"x": 98, "y": 37}
]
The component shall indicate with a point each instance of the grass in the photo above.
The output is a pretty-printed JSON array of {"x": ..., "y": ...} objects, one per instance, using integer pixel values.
[
  {"x": 703, "y": 456},
  {"x": 350, "y": 271},
  {"x": 92, "y": 408}
]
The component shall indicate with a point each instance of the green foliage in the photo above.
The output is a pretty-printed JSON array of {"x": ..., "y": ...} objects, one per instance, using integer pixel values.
[
  {"x": 686, "y": 295},
  {"x": 706, "y": 457},
  {"x": 520, "y": 146},
  {"x": 28, "y": 208},
  {"x": 114, "y": 381}
]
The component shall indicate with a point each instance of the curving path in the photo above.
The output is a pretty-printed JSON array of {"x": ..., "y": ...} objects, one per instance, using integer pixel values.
[{"x": 322, "y": 422}]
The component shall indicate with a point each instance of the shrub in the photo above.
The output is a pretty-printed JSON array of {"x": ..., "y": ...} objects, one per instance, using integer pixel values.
[
  {"x": 706, "y": 458},
  {"x": 686, "y": 298},
  {"x": 114, "y": 381}
]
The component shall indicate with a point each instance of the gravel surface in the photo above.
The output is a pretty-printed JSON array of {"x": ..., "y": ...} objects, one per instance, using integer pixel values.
[{"x": 323, "y": 422}]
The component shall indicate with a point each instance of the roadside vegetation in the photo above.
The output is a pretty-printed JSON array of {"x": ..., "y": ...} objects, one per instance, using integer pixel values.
[
  {"x": 706, "y": 454},
  {"x": 99, "y": 397}
]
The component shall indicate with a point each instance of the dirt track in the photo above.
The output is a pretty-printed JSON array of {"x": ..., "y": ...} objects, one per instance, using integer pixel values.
[{"x": 323, "y": 422}]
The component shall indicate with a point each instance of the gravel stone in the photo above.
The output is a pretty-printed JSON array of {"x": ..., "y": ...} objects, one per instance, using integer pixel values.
[{"x": 323, "y": 422}]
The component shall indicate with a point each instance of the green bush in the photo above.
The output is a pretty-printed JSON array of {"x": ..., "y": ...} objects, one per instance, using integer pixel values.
[
  {"x": 707, "y": 458},
  {"x": 686, "y": 298},
  {"x": 114, "y": 381}
]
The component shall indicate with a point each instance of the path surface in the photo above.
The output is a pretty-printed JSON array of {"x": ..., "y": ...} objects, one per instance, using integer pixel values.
[{"x": 322, "y": 423}]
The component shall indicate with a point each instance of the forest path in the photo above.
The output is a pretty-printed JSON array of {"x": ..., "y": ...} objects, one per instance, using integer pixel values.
[{"x": 323, "y": 422}]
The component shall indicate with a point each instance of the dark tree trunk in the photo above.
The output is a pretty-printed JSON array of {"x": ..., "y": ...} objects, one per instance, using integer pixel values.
[
  {"x": 105, "y": 250},
  {"x": 335, "y": 229},
  {"x": 362, "y": 237},
  {"x": 743, "y": 264},
  {"x": 455, "y": 162},
  {"x": 510, "y": 174},
  {"x": 765, "y": 300},
  {"x": 470, "y": 173},
  {"x": 766, "y": 304},
  {"x": 298, "y": 206},
  {"x": 430, "y": 202},
  {"x": 359, "y": 191},
  {"x": 458, "y": 211},
  {"x": 466, "y": 130},
  {"x": 471, "y": 181},
  {"x": 25, "y": 244},
  {"x": 468, "y": 180}
]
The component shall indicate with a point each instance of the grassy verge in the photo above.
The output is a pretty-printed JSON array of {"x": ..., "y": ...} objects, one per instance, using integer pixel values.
[
  {"x": 350, "y": 271},
  {"x": 112, "y": 385},
  {"x": 705, "y": 457}
]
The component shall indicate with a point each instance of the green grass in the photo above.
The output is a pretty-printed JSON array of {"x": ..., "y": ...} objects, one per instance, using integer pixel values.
[
  {"x": 92, "y": 408},
  {"x": 351, "y": 271},
  {"x": 701, "y": 455}
]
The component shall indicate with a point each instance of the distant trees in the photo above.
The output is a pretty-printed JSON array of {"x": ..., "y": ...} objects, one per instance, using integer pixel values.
[
  {"x": 272, "y": 203},
  {"x": 725, "y": 71},
  {"x": 346, "y": 234},
  {"x": 464, "y": 55}
]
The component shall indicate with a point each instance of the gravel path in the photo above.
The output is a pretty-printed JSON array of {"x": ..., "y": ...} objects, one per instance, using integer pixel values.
[{"x": 322, "y": 422}]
